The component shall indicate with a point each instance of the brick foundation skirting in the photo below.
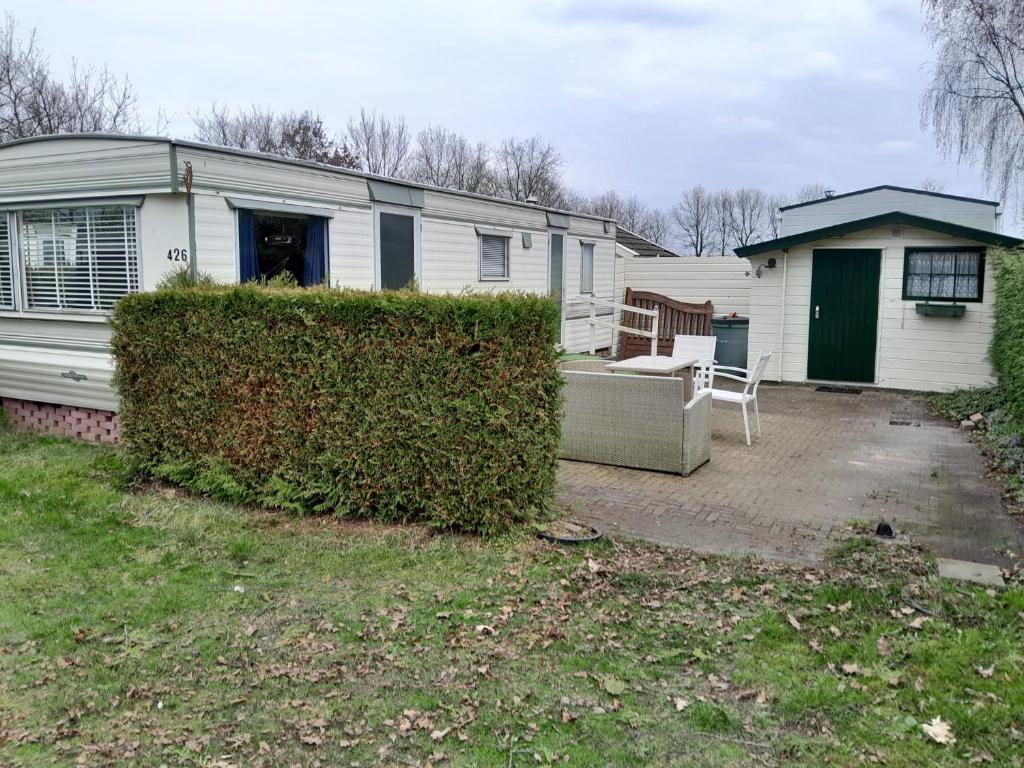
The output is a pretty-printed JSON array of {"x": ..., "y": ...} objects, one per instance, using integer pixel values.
[{"x": 90, "y": 424}]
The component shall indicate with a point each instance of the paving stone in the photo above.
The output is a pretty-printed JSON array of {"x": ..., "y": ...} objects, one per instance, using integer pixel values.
[
  {"x": 980, "y": 573},
  {"x": 824, "y": 460}
]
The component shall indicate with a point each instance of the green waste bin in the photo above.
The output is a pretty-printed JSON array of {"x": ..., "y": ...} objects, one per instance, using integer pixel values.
[{"x": 731, "y": 333}]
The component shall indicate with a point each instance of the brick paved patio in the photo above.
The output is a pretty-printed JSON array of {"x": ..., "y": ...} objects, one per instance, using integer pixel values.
[{"x": 825, "y": 460}]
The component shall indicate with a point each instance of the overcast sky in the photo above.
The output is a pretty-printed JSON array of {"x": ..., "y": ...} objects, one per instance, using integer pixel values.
[{"x": 647, "y": 97}]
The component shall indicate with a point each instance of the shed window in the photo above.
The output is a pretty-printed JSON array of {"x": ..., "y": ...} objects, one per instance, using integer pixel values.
[
  {"x": 6, "y": 266},
  {"x": 587, "y": 268},
  {"x": 78, "y": 259},
  {"x": 493, "y": 257},
  {"x": 943, "y": 274}
]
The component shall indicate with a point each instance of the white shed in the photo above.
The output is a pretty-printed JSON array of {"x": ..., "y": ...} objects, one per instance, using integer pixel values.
[
  {"x": 885, "y": 286},
  {"x": 86, "y": 218}
]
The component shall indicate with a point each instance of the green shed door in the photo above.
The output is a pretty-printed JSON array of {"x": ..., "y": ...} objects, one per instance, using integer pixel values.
[{"x": 844, "y": 315}]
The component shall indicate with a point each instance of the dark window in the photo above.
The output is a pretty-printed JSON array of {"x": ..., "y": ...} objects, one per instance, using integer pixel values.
[
  {"x": 280, "y": 246},
  {"x": 943, "y": 274},
  {"x": 397, "y": 251}
]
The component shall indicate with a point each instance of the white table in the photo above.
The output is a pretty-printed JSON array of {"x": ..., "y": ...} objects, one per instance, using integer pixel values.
[{"x": 656, "y": 364}]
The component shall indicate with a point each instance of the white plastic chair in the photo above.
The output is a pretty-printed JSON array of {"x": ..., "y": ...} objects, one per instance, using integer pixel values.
[
  {"x": 701, "y": 349},
  {"x": 750, "y": 381}
]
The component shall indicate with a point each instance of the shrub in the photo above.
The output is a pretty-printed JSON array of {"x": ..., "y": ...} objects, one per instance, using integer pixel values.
[
  {"x": 1007, "y": 351},
  {"x": 395, "y": 406}
]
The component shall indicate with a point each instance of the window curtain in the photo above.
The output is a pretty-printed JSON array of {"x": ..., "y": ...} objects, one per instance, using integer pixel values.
[
  {"x": 314, "y": 261},
  {"x": 248, "y": 262}
]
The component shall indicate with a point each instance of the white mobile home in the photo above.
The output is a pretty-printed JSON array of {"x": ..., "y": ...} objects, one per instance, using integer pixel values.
[
  {"x": 884, "y": 286},
  {"x": 85, "y": 219}
]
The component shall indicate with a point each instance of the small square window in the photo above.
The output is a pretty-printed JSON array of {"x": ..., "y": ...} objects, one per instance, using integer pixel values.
[
  {"x": 943, "y": 274},
  {"x": 493, "y": 257}
]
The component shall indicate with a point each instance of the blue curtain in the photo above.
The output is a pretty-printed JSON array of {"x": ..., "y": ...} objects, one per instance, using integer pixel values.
[
  {"x": 314, "y": 262},
  {"x": 248, "y": 263}
]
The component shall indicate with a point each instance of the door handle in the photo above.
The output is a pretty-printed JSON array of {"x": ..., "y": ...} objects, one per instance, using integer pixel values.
[{"x": 816, "y": 311}]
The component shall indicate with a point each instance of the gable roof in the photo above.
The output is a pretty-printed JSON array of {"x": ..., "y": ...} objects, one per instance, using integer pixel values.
[
  {"x": 884, "y": 219},
  {"x": 641, "y": 246},
  {"x": 895, "y": 189}
]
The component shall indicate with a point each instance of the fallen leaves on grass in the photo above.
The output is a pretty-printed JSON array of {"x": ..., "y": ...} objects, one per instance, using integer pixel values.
[{"x": 938, "y": 730}]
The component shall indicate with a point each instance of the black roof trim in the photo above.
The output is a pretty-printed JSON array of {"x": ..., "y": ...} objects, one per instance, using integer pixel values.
[
  {"x": 892, "y": 187},
  {"x": 884, "y": 219}
]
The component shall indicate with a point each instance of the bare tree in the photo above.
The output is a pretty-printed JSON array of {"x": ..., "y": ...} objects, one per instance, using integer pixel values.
[
  {"x": 448, "y": 159},
  {"x": 773, "y": 215},
  {"x": 34, "y": 102},
  {"x": 931, "y": 184},
  {"x": 749, "y": 211},
  {"x": 656, "y": 226},
  {"x": 721, "y": 222},
  {"x": 809, "y": 192},
  {"x": 529, "y": 168},
  {"x": 300, "y": 135},
  {"x": 692, "y": 216},
  {"x": 381, "y": 143},
  {"x": 975, "y": 103}
]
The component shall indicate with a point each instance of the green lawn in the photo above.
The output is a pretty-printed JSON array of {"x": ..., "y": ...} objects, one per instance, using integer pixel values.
[{"x": 150, "y": 628}]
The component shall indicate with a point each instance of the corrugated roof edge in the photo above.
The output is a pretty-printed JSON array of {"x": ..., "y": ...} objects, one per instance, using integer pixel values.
[
  {"x": 893, "y": 217},
  {"x": 892, "y": 187},
  {"x": 648, "y": 240},
  {"x": 301, "y": 163}
]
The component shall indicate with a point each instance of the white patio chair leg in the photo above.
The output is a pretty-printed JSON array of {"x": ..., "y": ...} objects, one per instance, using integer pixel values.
[
  {"x": 757, "y": 417},
  {"x": 746, "y": 422}
]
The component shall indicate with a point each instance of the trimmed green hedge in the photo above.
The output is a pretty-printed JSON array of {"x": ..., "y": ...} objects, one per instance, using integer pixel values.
[
  {"x": 1008, "y": 336},
  {"x": 394, "y": 406}
]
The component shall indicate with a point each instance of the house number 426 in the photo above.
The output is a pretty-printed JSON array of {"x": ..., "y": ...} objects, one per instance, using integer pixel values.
[{"x": 177, "y": 254}]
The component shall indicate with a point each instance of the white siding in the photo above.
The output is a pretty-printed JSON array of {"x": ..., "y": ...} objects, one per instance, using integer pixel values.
[
  {"x": 913, "y": 352},
  {"x": 34, "y": 352},
  {"x": 255, "y": 176},
  {"x": 351, "y": 248},
  {"x": 724, "y": 281},
  {"x": 216, "y": 238},
  {"x": 451, "y": 259},
  {"x": 77, "y": 167},
  {"x": 576, "y": 336},
  {"x": 163, "y": 227},
  {"x": 861, "y": 206}
]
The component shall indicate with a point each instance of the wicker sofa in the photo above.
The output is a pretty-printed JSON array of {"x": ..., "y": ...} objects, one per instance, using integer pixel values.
[{"x": 633, "y": 421}]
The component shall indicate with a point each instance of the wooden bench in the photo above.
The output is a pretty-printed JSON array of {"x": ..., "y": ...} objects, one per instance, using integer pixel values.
[{"x": 674, "y": 317}]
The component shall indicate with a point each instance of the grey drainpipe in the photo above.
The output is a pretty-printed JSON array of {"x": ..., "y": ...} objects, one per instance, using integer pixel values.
[{"x": 190, "y": 207}]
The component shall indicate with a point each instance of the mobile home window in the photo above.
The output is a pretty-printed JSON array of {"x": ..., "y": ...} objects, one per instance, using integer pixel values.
[
  {"x": 78, "y": 259},
  {"x": 587, "y": 268},
  {"x": 6, "y": 266},
  {"x": 493, "y": 257},
  {"x": 943, "y": 274}
]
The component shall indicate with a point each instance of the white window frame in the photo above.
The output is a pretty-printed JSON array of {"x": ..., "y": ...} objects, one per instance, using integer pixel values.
[
  {"x": 507, "y": 237},
  {"x": 12, "y": 254},
  {"x": 19, "y": 283},
  {"x": 584, "y": 244},
  {"x": 417, "y": 261},
  {"x": 564, "y": 234}
]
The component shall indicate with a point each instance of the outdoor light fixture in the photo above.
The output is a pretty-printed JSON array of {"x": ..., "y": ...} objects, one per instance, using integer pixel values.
[{"x": 771, "y": 264}]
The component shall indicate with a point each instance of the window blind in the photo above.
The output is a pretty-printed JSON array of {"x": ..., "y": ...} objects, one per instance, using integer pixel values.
[
  {"x": 6, "y": 266},
  {"x": 493, "y": 257},
  {"x": 78, "y": 259},
  {"x": 587, "y": 268}
]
